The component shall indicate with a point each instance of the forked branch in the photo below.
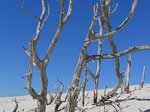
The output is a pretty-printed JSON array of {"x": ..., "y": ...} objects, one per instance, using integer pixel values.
[
  {"x": 62, "y": 21},
  {"x": 121, "y": 26},
  {"x": 34, "y": 59}
]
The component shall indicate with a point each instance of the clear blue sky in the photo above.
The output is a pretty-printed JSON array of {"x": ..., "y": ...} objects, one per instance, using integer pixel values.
[{"x": 16, "y": 29}]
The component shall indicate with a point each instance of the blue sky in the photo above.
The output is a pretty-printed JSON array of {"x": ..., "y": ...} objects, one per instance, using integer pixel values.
[{"x": 16, "y": 29}]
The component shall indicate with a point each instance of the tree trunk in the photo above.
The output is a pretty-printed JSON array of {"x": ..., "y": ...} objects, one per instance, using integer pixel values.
[
  {"x": 95, "y": 90},
  {"x": 143, "y": 76},
  {"x": 98, "y": 69},
  {"x": 128, "y": 72},
  {"x": 114, "y": 50},
  {"x": 83, "y": 88},
  {"x": 41, "y": 105},
  {"x": 74, "y": 89}
]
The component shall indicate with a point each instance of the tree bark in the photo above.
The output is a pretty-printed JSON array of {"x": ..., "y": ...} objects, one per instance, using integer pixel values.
[
  {"x": 98, "y": 69},
  {"x": 143, "y": 77},
  {"x": 128, "y": 73},
  {"x": 105, "y": 13},
  {"x": 41, "y": 64},
  {"x": 74, "y": 89},
  {"x": 83, "y": 88}
]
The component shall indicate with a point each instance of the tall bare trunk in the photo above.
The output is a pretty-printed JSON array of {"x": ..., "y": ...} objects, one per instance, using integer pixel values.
[
  {"x": 143, "y": 76},
  {"x": 98, "y": 69},
  {"x": 74, "y": 89},
  {"x": 83, "y": 88},
  {"x": 128, "y": 72}
]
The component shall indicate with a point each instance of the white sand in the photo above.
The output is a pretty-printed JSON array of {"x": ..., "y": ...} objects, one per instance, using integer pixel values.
[{"x": 139, "y": 101}]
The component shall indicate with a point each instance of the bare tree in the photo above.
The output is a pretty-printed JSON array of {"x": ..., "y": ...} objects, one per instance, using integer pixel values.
[
  {"x": 100, "y": 16},
  {"x": 41, "y": 64},
  {"x": 143, "y": 76},
  {"x": 128, "y": 72},
  {"x": 84, "y": 58},
  {"x": 74, "y": 89}
]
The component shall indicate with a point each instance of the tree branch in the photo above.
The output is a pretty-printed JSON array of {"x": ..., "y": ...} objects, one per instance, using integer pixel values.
[
  {"x": 66, "y": 18},
  {"x": 40, "y": 22},
  {"x": 31, "y": 91},
  {"x": 58, "y": 32},
  {"x": 73, "y": 90},
  {"x": 120, "y": 54},
  {"x": 89, "y": 72},
  {"x": 108, "y": 2},
  {"x": 121, "y": 26},
  {"x": 34, "y": 41},
  {"x": 26, "y": 51}
]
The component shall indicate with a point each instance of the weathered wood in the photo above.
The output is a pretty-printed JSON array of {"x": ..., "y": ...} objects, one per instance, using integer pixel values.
[
  {"x": 41, "y": 64},
  {"x": 73, "y": 91},
  {"x": 105, "y": 13},
  {"x": 84, "y": 58},
  {"x": 128, "y": 73},
  {"x": 99, "y": 52},
  {"x": 121, "y": 26},
  {"x": 84, "y": 87},
  {"x": 119, "y": 54},
  {"x": 143, "y": 77}
]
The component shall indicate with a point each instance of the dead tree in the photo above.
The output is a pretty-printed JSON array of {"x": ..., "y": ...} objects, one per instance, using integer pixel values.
[
  {"x": 143, "y": 77},
  {"x": 84, "y": 58},
  {"x": 41, "y": 64},
  {"x": 74, "y": 89},
  {"x": 128, "y": 72}
]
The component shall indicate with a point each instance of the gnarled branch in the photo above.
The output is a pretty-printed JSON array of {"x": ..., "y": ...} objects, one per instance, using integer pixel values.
[
  {"x": 119, "y": 54},
  {"x": 121, "y": 26}
]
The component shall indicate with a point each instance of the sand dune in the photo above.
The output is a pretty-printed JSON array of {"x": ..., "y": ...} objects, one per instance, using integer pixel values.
[{"x": 137, "y": 101}]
